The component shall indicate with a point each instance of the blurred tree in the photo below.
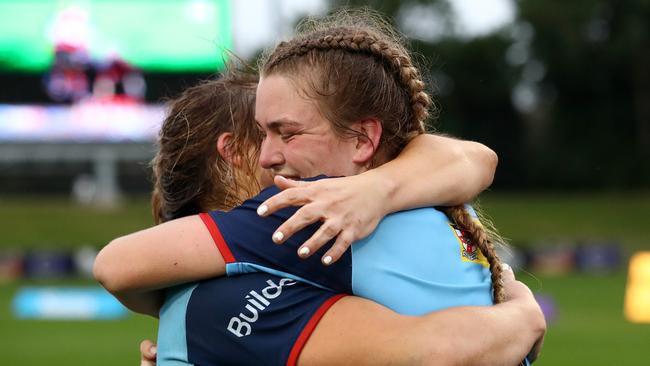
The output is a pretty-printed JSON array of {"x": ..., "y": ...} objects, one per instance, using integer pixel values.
[
  {"x": 473, "y": 86},
  {"x": 597, "y": 83},
  {"x": 563, "y": 95},
  {"x": 469, "y": 78}
]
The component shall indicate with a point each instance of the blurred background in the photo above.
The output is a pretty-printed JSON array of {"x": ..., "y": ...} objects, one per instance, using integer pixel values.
[{"x": 560, "y": 90}]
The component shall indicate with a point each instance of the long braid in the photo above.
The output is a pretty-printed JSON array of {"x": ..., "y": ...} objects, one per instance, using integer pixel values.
[
  {"x": 481, "y": 238},
  {"x": 360, "y": 41}
]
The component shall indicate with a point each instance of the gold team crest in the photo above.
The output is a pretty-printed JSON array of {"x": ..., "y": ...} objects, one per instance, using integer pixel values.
[{"x": 468, "y": 251}]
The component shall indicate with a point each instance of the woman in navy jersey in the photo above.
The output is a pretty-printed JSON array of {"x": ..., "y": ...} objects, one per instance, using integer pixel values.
[{"x": 289, "y": 138}]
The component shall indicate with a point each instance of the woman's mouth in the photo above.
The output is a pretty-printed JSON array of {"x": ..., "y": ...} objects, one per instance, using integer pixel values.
[{"x": 292, "y": 177}]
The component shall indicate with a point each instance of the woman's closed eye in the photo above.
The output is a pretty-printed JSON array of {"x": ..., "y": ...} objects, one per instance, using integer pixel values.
[{"x": 288, "y": 135}]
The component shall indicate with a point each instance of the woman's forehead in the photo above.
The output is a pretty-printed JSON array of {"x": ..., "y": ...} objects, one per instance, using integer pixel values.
[{"x": 280, "y": 104}]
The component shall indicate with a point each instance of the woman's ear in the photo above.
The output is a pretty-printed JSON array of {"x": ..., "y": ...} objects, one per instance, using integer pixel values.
[
  {"x": 368, "y": 142},
  {"x": 224, "y": 149}
]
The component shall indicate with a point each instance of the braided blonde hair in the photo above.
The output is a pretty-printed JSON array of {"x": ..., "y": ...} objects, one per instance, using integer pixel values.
[
  {"x": 484, "y": 238},
  {"x": 355, "y": 66}
]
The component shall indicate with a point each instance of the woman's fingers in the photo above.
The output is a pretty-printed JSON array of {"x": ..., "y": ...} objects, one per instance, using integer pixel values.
[
  {"x": 326, "y": 232},
  {"x": 329, "y": 229},
  {"x": 294, "y": 194},
  {"x": 506, "y": 272},
  {"x": 517, "y": 290},
  {"x": 148, "y": 351},
  {"x": 336, "y": 203},
  {"x": 342, "y": 243},
  {"x": 303, "y": 217},
  {"x": 285, "y": 183}
]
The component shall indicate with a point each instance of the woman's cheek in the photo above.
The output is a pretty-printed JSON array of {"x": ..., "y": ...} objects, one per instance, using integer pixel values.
[{"x": 265, "y": 178}]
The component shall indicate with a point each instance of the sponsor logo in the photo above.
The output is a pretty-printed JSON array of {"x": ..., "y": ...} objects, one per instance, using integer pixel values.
[{"x": 242, "y": 324}]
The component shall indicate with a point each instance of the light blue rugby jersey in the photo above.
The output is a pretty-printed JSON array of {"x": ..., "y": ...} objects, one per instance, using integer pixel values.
[
  {"x": 415, "y": 263},
  {"x": 172, "y": 328}
]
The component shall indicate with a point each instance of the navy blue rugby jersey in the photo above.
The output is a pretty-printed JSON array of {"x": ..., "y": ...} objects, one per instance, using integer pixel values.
[{"x": 253, "y": 319}]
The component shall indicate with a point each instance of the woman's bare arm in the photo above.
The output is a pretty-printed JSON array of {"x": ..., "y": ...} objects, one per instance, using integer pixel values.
[
  {"x": 474, "y": 335},
  {"x": 146, "y": 302},
  {"x": 134, "y": 266},
  {"x": 431, "y": 171},
  {"x": 181, "y": 251},
  {"x": 435, "y": 170}
]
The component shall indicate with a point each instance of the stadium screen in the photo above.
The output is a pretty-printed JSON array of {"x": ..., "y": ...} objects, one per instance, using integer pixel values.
[
  {"x": 88, "y": 122},
  {"x": 153, "y": 35},
  {"x": 92, "y": 54}
]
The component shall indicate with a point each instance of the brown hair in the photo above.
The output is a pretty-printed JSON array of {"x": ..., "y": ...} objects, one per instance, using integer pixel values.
[
  {"x": 189, "y": 174},
  {"x": 354, "y": 65}
]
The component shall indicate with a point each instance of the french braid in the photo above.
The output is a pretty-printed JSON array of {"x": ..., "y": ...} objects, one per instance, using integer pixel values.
[
  {"x": 355, "y": 67},
  {"x": 359, "y": 41}
]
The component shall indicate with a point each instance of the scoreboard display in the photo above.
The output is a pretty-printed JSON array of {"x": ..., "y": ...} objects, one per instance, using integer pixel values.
[{"x": 152, "y": 35}]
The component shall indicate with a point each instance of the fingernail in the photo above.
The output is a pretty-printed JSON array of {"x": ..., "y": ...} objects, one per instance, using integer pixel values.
[
  {"x": 505, "y": 267},
  {"x": 154, "y": 349},
  {"x": 262, "y": 209},
  {"x": 278, "y": 236},
  {"x": 303, "y": 252},
  {"x": 327, "y": 260}
]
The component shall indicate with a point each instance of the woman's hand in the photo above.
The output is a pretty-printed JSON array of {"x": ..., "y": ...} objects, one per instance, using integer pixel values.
[
  {"x": 349, "y": 208},
  {"x": 517, "y": 291},
  {"x": 148, "y": 352}
]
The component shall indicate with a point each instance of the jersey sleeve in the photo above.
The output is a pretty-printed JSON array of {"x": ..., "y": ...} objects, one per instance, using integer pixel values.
[{"x": 244, "y": 240}]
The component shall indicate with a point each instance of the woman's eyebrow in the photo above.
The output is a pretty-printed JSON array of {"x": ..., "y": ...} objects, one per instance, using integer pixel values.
[{"x": 275, "y": 125}]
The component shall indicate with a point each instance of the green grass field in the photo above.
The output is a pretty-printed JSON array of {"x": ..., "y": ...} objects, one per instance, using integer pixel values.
[
  {"x": 38, "y": 342},
  {"x": 589, "y": 329}
]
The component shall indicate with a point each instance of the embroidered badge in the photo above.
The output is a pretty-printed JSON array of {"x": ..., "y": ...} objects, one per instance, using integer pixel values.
[{"x": 469, "y": 252}]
